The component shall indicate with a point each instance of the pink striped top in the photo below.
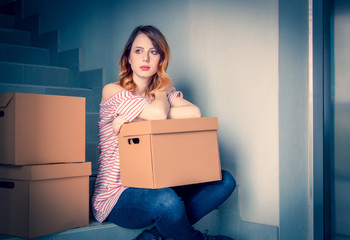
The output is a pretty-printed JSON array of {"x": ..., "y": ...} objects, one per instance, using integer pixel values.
[{"x": 124, "y": 107}]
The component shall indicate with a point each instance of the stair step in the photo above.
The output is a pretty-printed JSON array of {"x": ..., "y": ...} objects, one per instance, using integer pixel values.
[
  {"x": 7, "y": 21},
  {"x": 91, "y": 78},
  {"x": 24, "y": 54},
  {"x": 91, "y": 126},
  {"x": 6, "y": 2},
  {"x": 78, "y": 92},
  {"x": 91, "y": 155},
  {"x": 69, "y": 58},
  {"x": 10, "y": 7},
  {"x": 13, "y": 36},
  {"x": 110, "y": 231},
  {"x": 50, "y": 90},
  {"x": 35, "y": 74}
]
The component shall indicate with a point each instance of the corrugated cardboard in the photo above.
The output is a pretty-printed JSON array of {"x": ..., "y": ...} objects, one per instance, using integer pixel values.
[
  {"x": 167, "y": 153},
  {"x": 41, "y": 129},
  {"x": 43, "y": 199}
]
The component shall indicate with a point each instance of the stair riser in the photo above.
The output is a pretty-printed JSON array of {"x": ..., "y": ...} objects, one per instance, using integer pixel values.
[
  {"x": 86, "y": 93},
  {"x": 91, "y": 153},
  {"x": 46, "y": 76},
  {"x": 36, "y": 75},
  {"x": 15, "y": 37},
  {"x": 70, "y": 59},
  {"x": 91, "y": 78},
  {"x": 91, "y": 126},
  {"x": 7, "y": 21},
  {"x": 96, "y": 99},
  {"x": 10, "y": 7},
  {"x": 18, "y": 54},
  {"x": 77, "y": 92}
]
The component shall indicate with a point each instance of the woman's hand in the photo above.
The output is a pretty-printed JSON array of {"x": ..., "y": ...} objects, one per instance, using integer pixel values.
[
  {"x": 117, "y": 123},
  {"x": 182, "y": 108},
  {"x": 159, "y": 108},
  {"x": 138, "y": 120}
]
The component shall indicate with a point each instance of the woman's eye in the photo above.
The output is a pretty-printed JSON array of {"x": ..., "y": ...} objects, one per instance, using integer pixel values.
[
  {"x": 154, "y": 52},
  {"x": 138, "y": 51}
]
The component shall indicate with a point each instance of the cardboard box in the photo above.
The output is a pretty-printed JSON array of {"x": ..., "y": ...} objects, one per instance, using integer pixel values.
[
  {"x": 167, "y": 153},
  {"x": 43, "y": 199},
  {"x": 41, "y": 129}
]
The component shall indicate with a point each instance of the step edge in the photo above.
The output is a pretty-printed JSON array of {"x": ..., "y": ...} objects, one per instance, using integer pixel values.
[
  {"x": 24, "y": 46},
  {"x": 44, "y": 86},
  {"x": 14, "y": 30},
  {"x": 36, "y": 65}
]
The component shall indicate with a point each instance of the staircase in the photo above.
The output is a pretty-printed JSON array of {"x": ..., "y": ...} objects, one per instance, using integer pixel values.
[{"x": 30, "y": 63}]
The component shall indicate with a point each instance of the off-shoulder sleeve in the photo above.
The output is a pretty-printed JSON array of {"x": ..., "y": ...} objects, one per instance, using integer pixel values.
[
  {"x": 129, "y": 106},
  {"x": 173, "y": 95}
]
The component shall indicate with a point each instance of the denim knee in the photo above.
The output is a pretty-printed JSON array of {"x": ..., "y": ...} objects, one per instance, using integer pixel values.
[
  {"x": 168, "y": 205},
  {"x": 228, "y": 181}
]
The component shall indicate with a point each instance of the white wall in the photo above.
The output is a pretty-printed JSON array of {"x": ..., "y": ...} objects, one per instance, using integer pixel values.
[
  {"x": 234, "y": 62},
  {"x": 225, "y": 59}
]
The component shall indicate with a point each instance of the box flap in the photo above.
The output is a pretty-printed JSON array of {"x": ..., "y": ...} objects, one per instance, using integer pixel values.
[
  {"x": 5, "y": 99},
  {"x": 169, "y": 126},
  {"x": 45, "y": 171}
]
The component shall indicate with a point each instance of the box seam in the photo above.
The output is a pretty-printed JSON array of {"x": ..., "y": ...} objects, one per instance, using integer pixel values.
[
  {"x": 152, "y": 163},
  {"x": 175, "y": 132},
  {"x": 28, "y": 233},
  {"x": 15, "y": 131},
  {"x": 12, "y": 97},
  {"x": 54, "y": 178}
]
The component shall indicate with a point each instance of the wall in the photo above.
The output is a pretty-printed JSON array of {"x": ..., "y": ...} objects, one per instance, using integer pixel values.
[
  {"x": 293, "y": 120},
  {"x": 341, "y": 103},
  {"x": 224, "y": 59},
  {"x": 233, "y": 58}
]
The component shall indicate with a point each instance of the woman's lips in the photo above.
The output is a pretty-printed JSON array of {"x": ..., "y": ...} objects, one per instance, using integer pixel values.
[{"x": 145, "y": 68}]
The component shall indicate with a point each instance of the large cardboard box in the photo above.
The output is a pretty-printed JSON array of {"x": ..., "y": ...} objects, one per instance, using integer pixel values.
[
  {"x": 167, "y": 153},
  {"x": 43, "y": 199},
  {"x": 41, "y": 129}
]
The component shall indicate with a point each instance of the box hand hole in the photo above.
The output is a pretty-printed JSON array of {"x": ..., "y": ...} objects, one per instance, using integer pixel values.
[
  {"x": 9, "y": 185},
  {"x": 133, "y": 141},
  {"x": 2, "y": 114}
]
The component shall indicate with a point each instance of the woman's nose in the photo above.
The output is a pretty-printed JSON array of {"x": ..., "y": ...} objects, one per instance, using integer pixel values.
[{"x": 146, "y": 57}]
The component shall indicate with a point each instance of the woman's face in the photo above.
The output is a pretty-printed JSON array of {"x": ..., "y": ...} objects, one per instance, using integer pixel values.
[{"x": 144, "y": 58}]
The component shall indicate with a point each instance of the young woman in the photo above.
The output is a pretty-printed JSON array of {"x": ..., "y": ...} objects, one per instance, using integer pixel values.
[{"x": 145, "y": 92}]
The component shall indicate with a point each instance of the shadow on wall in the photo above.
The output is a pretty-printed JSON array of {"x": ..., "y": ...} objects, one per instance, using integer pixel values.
[
  {"x": 228, "y": 157},
  {"x": 226, "y": 151},
  {"x": 187, "y": 90}
]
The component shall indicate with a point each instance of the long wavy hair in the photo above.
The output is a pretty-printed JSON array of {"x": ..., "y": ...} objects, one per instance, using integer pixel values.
[{"x": 160, "y": 80}]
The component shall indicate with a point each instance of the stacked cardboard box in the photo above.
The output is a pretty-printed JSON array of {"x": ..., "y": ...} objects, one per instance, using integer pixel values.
[
  {"x": 44, "y": 179},
  {"x": 167, "y": 153}
]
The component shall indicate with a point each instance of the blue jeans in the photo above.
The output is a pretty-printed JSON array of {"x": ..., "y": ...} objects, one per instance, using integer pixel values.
[{"x": 173, "y": 211}]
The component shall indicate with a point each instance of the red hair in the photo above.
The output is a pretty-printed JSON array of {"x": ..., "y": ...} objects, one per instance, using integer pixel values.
[{"x": 160, "y": 80}]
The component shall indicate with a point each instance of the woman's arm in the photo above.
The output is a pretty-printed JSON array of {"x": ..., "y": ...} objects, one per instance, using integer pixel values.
[
  {"x": 157, "y": 109},
  {"x": 109, "y": 90},
  {"x": 182, "y": 108}
]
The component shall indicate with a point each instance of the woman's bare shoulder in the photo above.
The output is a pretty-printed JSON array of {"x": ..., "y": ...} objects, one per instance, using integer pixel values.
[{"x": 110, "y": 89}]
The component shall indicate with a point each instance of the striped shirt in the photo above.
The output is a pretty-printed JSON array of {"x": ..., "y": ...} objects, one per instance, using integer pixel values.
[{"x": 120, "y": 108}]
